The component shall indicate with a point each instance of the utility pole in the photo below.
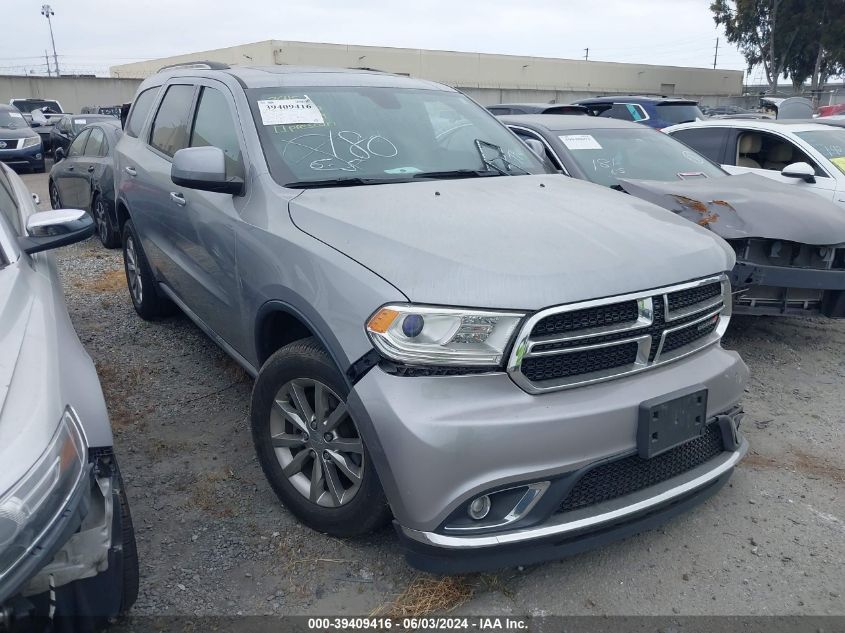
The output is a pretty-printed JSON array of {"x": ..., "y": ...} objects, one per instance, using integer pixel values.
[
  {"x": 587, "y": 54},
  {"x": 47, "y": 59},
  {"x": 47, "y": 12},
  {"x": 716, "y": 55}
]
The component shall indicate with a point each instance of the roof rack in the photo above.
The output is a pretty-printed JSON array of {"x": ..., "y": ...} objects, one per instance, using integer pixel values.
[{"x": 198, "y": 65}]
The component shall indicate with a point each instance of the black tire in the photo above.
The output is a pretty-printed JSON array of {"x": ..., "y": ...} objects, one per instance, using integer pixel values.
[
  {"x": 106, "y": 230},
  {"x": 55, "y": 198},
  {"x": 131, "y": 572},
  {"x": 148, "y": 302},
  {"x": 368, "y": 510}
]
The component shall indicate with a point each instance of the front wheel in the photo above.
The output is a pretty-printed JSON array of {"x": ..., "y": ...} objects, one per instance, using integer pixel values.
[{"x": 309, "y": 446}]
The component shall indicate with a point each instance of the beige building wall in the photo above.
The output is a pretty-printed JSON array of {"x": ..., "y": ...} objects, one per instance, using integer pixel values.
[
  {"x": 471, "y": 70},
  {"x": 72, "y": 92}
]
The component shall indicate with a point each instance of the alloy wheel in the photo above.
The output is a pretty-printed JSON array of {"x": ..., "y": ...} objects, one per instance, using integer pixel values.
[
  {"x": 133, "y": 272},
  {"x": 101, "y": 220},
  {"x": 316, "y": 442},
  {"x": 55, "y": 201}
]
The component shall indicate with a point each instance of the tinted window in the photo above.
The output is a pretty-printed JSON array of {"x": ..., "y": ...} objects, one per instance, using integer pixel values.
[
  {"x": 678, "y": 113},
  {"x": 78, "y": 144},
  {"x": 642, "y": 154},
  {"x": 96, "y": 143},
  {"x": 28, "y": 105},
  {"x": 213, "y": 125},
  {"x": 8, "y": 204},
  {"x": 707, "y": 141},
  {"x": 139, "y": 111},
  {"x": 500, "y": 111},
  {"x": 169, "y": 131}
]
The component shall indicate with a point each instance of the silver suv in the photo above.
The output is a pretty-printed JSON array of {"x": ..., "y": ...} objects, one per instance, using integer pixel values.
[{"x": 511, "y": 365}]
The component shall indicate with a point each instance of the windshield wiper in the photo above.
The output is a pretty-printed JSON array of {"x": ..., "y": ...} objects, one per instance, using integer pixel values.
[
  {"x": 341, "y": 182},
  {"x": 480, "y": 145},
  {"x": 456, "y": 173}
]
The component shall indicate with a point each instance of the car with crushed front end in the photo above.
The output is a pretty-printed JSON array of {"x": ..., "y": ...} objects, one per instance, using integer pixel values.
[
  {"x": 790, "y": 245},
  {"x": 67, "y": 546},
  {"x": 509, "y": 365}
]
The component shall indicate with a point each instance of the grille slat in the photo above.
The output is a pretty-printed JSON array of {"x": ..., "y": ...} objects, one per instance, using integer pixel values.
[
  {"x": 611, "y": 314},
  {"x": 628, "y": 475},
  {"x": 541, "y": 368},
  {"x": 690, "y": 296}
]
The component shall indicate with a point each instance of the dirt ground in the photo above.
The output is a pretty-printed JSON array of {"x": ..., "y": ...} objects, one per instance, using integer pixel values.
[{"x": 214, "y": 540}]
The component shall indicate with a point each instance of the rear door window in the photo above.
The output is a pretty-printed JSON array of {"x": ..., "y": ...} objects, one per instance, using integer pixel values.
[
  {"x": 139, "y": 111},
  {"x": 709, "y": 142},
  {"x": 169, "y": 131},
  {"x": 96, "y": 143},
  {"x": 675, "y": 113}
]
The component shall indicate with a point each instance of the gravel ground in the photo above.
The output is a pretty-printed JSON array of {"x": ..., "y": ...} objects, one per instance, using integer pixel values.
[{"x": 214, "y": 540}]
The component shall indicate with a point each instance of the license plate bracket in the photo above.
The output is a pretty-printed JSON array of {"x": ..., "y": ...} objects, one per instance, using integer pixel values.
[{"x": 670, "y": 420}]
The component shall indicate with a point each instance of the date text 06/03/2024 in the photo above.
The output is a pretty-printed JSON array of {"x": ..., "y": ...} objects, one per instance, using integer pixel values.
[{"x": 426, "y": 623}]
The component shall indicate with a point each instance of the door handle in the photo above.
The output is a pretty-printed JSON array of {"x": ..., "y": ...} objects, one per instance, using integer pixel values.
[
  {"x": 178, "y": 198},
  {"x": 70, "y": 168},
  {"x": 131, "y": 171},
  {"x": 90, "y": 168}
]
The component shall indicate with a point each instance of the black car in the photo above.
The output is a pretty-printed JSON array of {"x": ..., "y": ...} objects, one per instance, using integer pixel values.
[
  {"x": 536, "y": 108},
  {"x": 84, "y": 178},
  {"x": 69, "y": 126},
  {"x": 656, "y": 112},
  {"x": 20, "y": 145}
]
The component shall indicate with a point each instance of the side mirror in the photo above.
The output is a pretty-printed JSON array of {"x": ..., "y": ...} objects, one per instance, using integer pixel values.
[
  {"x": 58, "y": 154},
  {"x": 51, "y": 229},
  {"x": 799, "y": 170},
  {"x": 204, "y": 168},
  {"x": 535, "y": 146}
]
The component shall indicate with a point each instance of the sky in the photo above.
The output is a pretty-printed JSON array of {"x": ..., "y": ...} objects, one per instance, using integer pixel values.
[{"x": 92, "y": 35}]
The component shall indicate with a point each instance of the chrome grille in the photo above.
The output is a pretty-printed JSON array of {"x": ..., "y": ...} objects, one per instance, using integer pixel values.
[{"x": 591, "y": 341}]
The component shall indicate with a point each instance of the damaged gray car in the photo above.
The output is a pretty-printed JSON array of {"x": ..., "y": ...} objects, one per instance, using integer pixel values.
[
  {"x": 790, "y": 246},
  {"x": 67, "y": 547}
]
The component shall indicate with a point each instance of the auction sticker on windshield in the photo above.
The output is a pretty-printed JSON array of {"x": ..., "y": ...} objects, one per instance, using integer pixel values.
[
  {"x": 579, "y": 141},
  {"x": 289, "y": 110}
]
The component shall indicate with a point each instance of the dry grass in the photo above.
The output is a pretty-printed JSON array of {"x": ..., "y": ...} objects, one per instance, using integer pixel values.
[
  {"x": 426, "y": 595},
  {"x": 112, "y": 281},
  {"x": 206, "y": 494}
]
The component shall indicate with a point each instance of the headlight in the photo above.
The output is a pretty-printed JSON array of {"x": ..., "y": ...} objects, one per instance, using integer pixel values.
[
  {"x": 32, "y": 504},
  {"x": 31, "y": 141},
  {"x": 428, "y": 335}
]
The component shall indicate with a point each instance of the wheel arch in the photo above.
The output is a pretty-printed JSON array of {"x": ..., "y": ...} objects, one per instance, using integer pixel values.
[
  {"x": 279, "y": 323},
  {"x": 121, "y": 212}
]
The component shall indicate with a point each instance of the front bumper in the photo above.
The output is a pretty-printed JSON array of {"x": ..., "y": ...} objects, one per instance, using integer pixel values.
[
  {"x": 79, "y": 558},
  {"x": 438, "y": 442},
  {"x": 775, "y": 290},
  {"x": 31, "y": 157}
]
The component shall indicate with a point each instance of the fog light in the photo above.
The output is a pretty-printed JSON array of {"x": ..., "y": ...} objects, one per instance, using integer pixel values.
[{"x": 479, "y": 508}]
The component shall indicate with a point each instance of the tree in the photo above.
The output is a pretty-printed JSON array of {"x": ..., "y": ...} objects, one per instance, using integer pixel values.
[
  {"x": 819, "y": 52},
  {"x": 764, "y": 31}
]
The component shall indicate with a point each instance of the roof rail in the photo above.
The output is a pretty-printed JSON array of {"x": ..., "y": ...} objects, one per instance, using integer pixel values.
[{"x": 198, "y": 65}]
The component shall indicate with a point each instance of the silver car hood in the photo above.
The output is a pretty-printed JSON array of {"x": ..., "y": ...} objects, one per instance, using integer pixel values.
[
  {"x": 748, "y": 205},
  {"x": 522, "y": 242}
]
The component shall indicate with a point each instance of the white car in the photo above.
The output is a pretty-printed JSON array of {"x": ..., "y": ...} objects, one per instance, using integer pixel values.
[{"x": 805, "y": 154}]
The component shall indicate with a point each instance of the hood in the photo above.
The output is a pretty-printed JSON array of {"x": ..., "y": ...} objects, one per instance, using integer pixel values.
[
  {"x": 7, "y": 133},
  {"x": 521, "y": 242},
  {"x": 747, "y": 205}
]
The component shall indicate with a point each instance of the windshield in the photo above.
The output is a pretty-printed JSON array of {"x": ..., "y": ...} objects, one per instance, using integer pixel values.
[
  {"x": 365, "y": 135},
  {"x": 12, "y": 119},
  {"x": 674, "y": 113},
  {"x": 28, "y": 105},
  {"x": 638, "y": 154},
  {"x": 830, "y": 143}
]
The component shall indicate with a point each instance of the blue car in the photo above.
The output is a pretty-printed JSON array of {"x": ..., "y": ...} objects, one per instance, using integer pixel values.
[
  {"x": 20, "y": 145},
  {"x": 656, "y": 112}
]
